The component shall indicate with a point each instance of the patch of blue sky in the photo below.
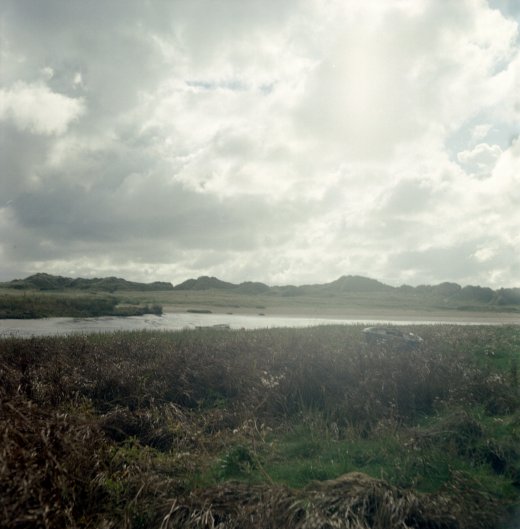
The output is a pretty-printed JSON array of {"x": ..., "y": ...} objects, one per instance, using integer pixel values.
[
  {"x": 498, "y": 133},
  {"x": 510, "y": 8},
  {"x": 233, "y": 85}
]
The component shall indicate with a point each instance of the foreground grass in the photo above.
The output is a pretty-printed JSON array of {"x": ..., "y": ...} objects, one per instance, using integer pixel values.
[{"x": 196, "y": 428}]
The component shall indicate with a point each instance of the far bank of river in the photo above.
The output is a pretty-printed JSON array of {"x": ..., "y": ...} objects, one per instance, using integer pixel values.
[{"x": 179, "y": 321}]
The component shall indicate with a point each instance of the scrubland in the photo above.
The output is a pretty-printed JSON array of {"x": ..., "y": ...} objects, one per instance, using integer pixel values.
[
  {"x": 289, "y": 428},
  {"x": 29, "y": 305},
  {"x": 407, "y": 306}
]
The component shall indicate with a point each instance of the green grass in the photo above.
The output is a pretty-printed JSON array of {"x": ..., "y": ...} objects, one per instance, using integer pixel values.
[
  {"x": 38, "y": 305},
  {"x": 324, "y": 305},
  {"x": 424, "y": 458},
  {"x": 353, "y": 304}
]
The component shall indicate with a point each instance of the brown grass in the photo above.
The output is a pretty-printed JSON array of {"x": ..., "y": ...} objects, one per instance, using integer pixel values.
[
  {"x": 103, "y": 431},
  {"x": 352, "y": 501},
  {"x": 49, "y": 467}
]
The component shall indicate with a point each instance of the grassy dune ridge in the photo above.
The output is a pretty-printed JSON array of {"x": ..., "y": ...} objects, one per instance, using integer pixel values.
[
  {"x": 248, "y": 428},
  {"x": 44, "y": 295}
]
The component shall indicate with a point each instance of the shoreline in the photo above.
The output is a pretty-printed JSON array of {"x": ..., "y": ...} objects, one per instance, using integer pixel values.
[{"x": 362, "y": 314}]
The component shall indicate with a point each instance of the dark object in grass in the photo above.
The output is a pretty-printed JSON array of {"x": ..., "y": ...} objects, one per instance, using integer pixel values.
[
  {"x": 217, "y": 326},
  {"x": 390, "y": 335},
  {"x": 199, "y": 311},
  {"x": 149, "y": 426}
]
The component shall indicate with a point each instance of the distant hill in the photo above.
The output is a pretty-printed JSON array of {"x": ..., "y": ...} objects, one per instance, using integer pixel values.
[
  {"x": 449, "y": 295},
  {"x": 252, "y": 287},
  {"x": 454, "y": 293},
  {"x": 208, "y": 283},
  {"x": 204, "y": 283},
  {"x": 343, "y": 284},
  {"x": 443, "y": 295},
  {"x": 106, "y": 284},
  {"x": 351, "y": 284},
  {"x": 507, "y": 296},
  {"x": 359, "y": 284}
]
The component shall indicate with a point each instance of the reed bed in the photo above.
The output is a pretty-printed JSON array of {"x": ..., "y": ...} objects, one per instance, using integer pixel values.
[{"x": 152, "y": 429}]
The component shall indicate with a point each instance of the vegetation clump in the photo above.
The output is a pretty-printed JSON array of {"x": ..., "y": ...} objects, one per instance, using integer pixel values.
[
  {"x": 46, "y": 306},
  {"x": 352, "y": 501}
]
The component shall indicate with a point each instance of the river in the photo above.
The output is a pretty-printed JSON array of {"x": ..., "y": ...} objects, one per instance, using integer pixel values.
[{"x": 174, "y": 321}]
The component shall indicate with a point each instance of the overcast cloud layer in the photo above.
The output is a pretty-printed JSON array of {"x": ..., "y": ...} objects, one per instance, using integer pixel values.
[{"x": 286, "y": 142}]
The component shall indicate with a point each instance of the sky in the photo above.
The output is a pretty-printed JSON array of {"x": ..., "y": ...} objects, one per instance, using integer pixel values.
[{"x": 286, "y": 142}]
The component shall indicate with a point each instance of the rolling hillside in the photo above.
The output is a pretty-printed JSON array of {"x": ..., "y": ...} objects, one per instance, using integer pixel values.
[{"x": 443, "y": 295}]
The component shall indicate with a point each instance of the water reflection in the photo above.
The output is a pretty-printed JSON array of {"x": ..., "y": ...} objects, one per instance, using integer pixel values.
[{"x": 64, "y": 326}]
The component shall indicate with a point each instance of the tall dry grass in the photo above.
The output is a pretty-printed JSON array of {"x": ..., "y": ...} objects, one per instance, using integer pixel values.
[{"x": 85, "y": 419}]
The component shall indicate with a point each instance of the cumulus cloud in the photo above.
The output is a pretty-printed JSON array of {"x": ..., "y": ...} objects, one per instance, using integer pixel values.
[
  {"x": 286, "y": 142},
  {"x": 481, "y": 159},
  {"x": 480, "y": 131},
  {"x": 34, "y": 107}
]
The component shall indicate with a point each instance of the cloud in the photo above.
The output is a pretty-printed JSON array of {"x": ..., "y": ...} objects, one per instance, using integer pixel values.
[
  {"x": 480, "y": 131},
  {"x": 385, "y": 80},
  {"x": 35, "y": 108},
  {"x": 459, "y": 263},
  {"x": 481, "y": 159},
  {"x": 284, "y": 142}
]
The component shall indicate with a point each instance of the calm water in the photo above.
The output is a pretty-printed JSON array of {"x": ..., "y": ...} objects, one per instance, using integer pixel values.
[{"x": 62, "y": 326}]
